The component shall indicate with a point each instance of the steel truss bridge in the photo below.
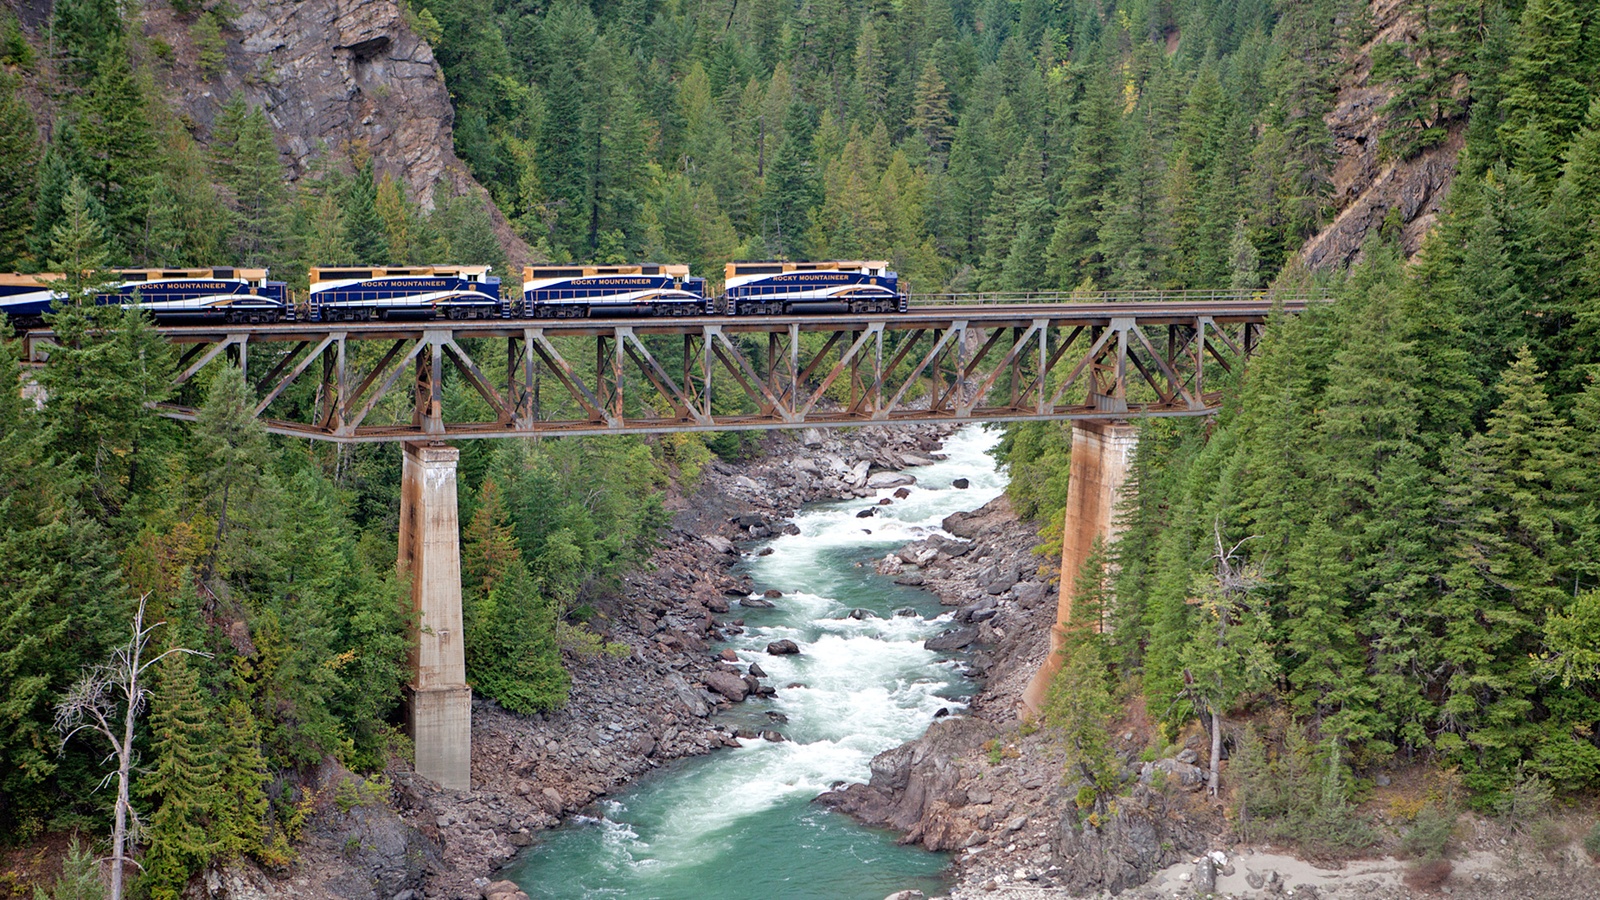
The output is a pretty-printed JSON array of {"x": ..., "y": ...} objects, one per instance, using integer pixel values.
[{"x": 1113, "y": 356}]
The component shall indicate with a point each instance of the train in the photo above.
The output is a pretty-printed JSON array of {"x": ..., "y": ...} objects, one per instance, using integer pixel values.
[
  {"x": 213, "y": 293},
  {"x": 390, "y": 293}
]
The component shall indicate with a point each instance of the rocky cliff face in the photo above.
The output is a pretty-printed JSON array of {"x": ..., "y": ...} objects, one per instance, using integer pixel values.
[
  {"x": 331, "y": 75},
  {"x": 1366, "y": 186}
]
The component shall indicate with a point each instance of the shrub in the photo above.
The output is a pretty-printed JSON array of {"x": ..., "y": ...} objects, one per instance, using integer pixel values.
[
  {"x": 1430, "y": 835},
  {"x": 1591, "y": 842}
]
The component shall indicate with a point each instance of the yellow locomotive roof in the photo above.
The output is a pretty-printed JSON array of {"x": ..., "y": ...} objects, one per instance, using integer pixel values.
[
  {"x": 778, "y": 267},
  {"x": 224, "y": 272},
  {"x": 36, "y": 279},
  {"x": 590, "y": 270},
  {"x": 342, "y": 273}
]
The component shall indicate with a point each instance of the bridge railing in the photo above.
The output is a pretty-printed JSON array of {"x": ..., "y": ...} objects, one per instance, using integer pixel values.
[{"x": 1152, "y": 295}]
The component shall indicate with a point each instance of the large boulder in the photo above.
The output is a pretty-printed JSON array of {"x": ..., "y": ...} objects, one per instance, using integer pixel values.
[
  {"x": 954, "y": 639},
  {"x": 883, "y": 480},
  {"x": 784, "y": 647},
  {"x": 727, "y": 684}
]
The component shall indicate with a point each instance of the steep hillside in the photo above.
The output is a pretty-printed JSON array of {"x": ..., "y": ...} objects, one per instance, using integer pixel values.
[{"x": 334, "y": 77}]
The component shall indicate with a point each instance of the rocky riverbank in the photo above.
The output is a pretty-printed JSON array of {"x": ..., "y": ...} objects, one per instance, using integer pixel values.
[
  {"x": 404, "y": 838},
  {"x": 992, "y": 789}
]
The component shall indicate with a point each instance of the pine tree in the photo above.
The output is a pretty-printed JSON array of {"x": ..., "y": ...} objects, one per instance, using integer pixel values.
[
  {"x": 1511, "y": 531},
  {"x": 185, "y": 784},
  {"x": 114, "y": 142},
  {"x": 227, "y": 448},
  {"x": 242, "y": 815},
  {"x": 78, "y": 245},
  {"x": 363, "y": 227},
  {"x": 931, "y": 116},
  {"x": 792, "y": 188},
  {"x": 488, "y": 545},
  {"x": 1079, "y": 702},
  {"x": 80, "y": 875},
  {"x": 1546, "y": 91},
  {"x": 18, "y": 173},
  {"x": 246, "y": 159}
]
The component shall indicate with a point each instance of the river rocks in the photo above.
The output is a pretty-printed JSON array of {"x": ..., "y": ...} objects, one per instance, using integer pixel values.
[
  {"x": 503, "y": 890},
  {"x": 891, "y": 564},
  {"x": 981, "y": 611},
  {"x": 960, "y": 484},
  {"x": 1028, "y": 594},
  {"x": 883, "y": 480},
  {"x": 862, "y": 614},
  {"x": 757, "y": 603},
  {"x": 727, "y": 684},
  {"x": 998, "y": 579},
  {"x": 867, "y": 513},
  {"x": 720, "y": 544},
  {"x": 953, "y": 639},
  {"x": 784, "y": 647},
  {"x": 772, "y": 593},
  {"x": 906, "y": 895},
  {"x": 902, "y": 493}
]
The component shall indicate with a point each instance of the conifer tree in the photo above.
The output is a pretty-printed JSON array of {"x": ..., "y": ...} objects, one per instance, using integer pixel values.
[
  {"x": 363, "y": 227},
  {"x": 1511, "y": 529},
  {"x": 242, "y": 815},
  {"x": 488, "y": 545},
  {"x": 18, "y": 155},
  {"x": 228, "y": 446},
  {"x": 1546, "y": 86},
  {"x": 1079, "y": 703},
  {"x": 77, "y": 246},
  {"x": 931, "y": 114},
  {"x": 115, "y": 143},
  {"x": 185, "y": 785}
]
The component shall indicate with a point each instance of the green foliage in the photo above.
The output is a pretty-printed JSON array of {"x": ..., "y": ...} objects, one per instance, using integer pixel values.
[
  {"x": 1591, "y": 841},
  {"x": 80, "y": 875},
  {"x": 206, "y": 32},
  {"x": 1038, "y": 457},
  {"x": 19, "y": 154},
  {"x": 185, "y": 785},
  {"x": 1431, "y": 834}
]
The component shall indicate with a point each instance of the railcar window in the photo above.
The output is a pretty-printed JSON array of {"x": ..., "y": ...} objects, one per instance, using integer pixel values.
[
  {"x": 340, "y": 274},
  {"x": 555, "y": 273},
  {"x": 758, "y": 270}
]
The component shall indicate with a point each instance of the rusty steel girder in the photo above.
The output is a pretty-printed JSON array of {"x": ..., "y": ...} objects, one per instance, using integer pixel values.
[{"x": 514, "y": 378}]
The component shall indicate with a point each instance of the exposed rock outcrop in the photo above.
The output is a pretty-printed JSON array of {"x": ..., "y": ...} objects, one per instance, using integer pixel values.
[
  {"x": 333, "y": 76},
  {"x": 1367, "y": 187}
]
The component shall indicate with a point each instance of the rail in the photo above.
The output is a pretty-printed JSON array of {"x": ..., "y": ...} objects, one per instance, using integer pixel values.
[{"x": 1153, "y": 295}]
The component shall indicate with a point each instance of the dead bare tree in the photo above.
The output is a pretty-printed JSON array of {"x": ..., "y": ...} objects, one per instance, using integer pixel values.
[
  {"x": 107, "y": 702},
  {"x": 1222, "y": 667}
]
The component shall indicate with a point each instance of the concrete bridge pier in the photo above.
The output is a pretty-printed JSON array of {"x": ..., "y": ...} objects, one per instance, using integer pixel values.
[
  {"x": 1102, "y": 455},
  {"x": 440, "y": 713}
]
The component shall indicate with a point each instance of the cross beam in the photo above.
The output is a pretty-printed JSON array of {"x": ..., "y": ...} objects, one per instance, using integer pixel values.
[{"x": 510, "y": 378}]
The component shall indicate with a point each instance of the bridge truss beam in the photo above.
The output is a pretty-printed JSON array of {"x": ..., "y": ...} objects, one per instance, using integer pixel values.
[{"x": 449, "y": 381}]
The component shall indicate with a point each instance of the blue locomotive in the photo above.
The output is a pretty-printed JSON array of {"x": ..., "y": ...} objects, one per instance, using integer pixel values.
[
  {"x": 563, "y": 292},
  {"x": 241, "y": 296},
  {"x": 775, "y": 288},
  {"x": 218, "y": 293},
  {"x": 366, "y": 293}
]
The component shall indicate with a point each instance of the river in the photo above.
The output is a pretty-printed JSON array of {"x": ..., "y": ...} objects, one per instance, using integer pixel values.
[{"x": 739, "y": 823}]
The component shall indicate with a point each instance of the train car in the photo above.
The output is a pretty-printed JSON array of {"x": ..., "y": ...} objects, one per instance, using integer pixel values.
[
  {"x": 26, "y": 298},
  {"x": 216, "y": 293},
  {"x": 772, "y": 288},
  {"x": 365, "y": 293},
  {"x": 580, "y": 291}
]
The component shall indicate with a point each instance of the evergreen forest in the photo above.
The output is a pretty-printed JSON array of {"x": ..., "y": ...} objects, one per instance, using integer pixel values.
[{"x": 1409, "y": 477}]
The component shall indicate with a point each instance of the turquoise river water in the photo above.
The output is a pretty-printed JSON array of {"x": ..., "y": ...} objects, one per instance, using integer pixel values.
[{"x": 739, "y": 823}]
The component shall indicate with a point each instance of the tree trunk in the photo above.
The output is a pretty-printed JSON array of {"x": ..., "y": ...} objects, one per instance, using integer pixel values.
[{"x": 1216, "y": 749}]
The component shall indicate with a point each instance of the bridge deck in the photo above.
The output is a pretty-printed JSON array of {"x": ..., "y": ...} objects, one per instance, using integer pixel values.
[{"x": 948, "y": 363}]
